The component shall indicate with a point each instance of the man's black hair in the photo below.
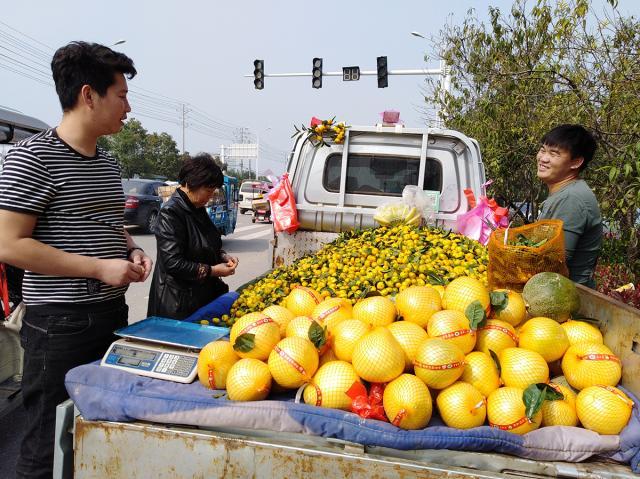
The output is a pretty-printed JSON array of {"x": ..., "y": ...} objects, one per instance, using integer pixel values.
[
  {"x": 81, "y": 63},
  {"x": 576, "y": 139},
  {"x": 200, "y": 170}
]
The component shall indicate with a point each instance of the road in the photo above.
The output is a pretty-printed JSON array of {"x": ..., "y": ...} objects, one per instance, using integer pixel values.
[{"x": 249, "y": 242}]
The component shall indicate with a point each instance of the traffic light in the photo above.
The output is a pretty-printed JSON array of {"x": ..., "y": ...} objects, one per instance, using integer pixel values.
[
  {"x": 383, "y": 73},
  {"x": 258, "y": 74},
  {"x": 316, "y": 73}
]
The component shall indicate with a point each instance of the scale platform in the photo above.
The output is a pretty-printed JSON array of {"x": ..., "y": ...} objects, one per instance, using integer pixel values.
[{"x": 161, "y": 348}]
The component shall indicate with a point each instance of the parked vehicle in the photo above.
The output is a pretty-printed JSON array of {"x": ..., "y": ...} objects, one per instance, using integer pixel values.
[
  {"x": 249, "y": 191},
  {"x": 337, "y": 189},
  {"x": 223, "y": 208},
  {"x": 142, "y": 202}
]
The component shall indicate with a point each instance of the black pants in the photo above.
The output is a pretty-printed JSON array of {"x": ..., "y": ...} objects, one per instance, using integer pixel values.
[{"x": 57, "y": 338}]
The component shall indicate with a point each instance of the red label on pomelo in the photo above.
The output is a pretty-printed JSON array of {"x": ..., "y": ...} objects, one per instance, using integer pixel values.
[
  {"x": 508, "y": 427},
  {"x": 613, "y": 390},
  {"x": 255, "y": 324},
  {"x": 318, "y": 395},
  {"x": 284, "y": 355},
  {"x": 455, "y": 334},
  {"x": 399, "y": 417},
  {"x": 438, "y": 367},
  {"x": 329, "y": 311},
  {"x": 497, "y": 327},
  {"x": 212, "y": 378},
  {"x": 308, "y": 291},
  {"x": 600, "y": 357}
]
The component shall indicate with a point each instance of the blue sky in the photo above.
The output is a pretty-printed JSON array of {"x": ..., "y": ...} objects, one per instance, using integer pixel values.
[{"x": 196, "y": 52}]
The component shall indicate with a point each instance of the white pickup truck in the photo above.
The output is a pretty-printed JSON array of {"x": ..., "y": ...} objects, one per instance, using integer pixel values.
[{"x": 338, "y": 188}]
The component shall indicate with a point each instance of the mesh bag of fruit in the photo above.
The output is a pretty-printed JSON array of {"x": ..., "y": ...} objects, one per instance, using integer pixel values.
[{"x": 517, "y": 254}]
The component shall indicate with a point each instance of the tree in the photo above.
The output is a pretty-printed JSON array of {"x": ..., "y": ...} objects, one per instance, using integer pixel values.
[
  {"x": 527, "y": 71},
  {"x": 162, "y": 152},
  {"x": 129, "y": 147}
]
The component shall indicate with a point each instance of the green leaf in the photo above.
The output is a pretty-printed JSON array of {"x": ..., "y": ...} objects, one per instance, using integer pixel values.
[
  {"x": 475, "y": 314},
  {"x": 317, "y": 335},
  {"x": 435, "y": 278},
  {"x": 535, "y": 395},
  {"x": 496, "y": 360},
  {"x": 499, "y": 300},
  {"x": 245, "y": 342}
]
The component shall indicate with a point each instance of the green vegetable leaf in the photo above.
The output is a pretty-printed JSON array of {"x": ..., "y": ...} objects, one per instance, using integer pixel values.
[
  {"x": 317, "y": 334},
  {"x": 245, "y": 342},
  {"x": 475, "y": 314},
  {"x": 496, "y": 360},
  {"x": 535, "y": 396},
  {"x": 499, "y": 300}
]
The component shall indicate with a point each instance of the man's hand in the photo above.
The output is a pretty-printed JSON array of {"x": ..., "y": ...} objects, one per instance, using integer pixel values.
[
  {"x": 119, "y": 272},
  {"x": 140, "y": 258}
]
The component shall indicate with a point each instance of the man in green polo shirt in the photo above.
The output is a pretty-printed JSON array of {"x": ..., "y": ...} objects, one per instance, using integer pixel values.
[{"x": 565, "y": 151}]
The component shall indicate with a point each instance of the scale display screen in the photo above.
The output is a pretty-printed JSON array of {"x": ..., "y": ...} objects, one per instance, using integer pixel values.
[{"x": 159, "y": 361}]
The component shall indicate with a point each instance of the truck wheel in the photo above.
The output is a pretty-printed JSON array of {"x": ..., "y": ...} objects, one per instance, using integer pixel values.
[
  {"x": 242, "y": 211},
  {"x": 253, "y": 220}
]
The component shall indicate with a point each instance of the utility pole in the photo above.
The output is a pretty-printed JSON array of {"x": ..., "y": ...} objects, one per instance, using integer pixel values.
[{"x": 183, "y": 115}]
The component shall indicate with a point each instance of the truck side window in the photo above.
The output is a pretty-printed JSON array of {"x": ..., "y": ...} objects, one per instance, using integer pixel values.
[{"x": 380, "y": 175}]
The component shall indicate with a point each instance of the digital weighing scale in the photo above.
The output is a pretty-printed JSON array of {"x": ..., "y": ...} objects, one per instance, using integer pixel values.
[{"x": 161, "y": 348}]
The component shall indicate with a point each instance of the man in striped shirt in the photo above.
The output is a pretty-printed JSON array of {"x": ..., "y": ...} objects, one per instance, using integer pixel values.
[{"x": 61, "y": 220}]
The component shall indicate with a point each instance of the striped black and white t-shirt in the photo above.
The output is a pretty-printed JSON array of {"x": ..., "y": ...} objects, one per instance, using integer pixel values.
[{"x": 79, "y": 203}]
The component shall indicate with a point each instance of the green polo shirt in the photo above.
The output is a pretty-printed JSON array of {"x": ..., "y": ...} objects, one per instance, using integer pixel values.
[{"x": 577, "y": 207}]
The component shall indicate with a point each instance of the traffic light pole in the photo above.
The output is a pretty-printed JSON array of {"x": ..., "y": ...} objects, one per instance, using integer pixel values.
[{"x": 421, "y": 71}]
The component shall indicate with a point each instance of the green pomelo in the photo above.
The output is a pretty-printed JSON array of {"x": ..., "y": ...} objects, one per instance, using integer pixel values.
[{"x": 551, "y": 295}]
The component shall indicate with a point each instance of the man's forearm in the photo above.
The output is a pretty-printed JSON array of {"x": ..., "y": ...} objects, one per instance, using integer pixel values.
[
  {"x": 33, "y": 255},
  {"x": 130, "y": 241}
]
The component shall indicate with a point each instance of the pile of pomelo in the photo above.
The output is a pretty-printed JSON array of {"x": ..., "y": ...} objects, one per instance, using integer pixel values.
[{"x": 513, "y": 361}]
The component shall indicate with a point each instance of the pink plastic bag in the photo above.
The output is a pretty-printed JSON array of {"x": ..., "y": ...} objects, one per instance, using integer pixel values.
[
  {"x": 480, "y": 221},
  {"x": 283, "y": 206}
]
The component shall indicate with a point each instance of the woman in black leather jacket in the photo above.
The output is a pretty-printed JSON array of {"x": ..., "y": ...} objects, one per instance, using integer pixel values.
[{"x": 190, "y": 259}]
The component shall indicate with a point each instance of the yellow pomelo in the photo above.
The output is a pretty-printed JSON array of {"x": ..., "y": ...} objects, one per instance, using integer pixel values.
[
  {"x": 438, "y": 363},
  {"x": 409, "y": 335},
  {"x": 293, "y": 362},
  {"x": 330, "y": 385},
  {"x": 299, "y": 327},
  {"x": 407, "y": 402},
  {"x": 561, "y": 412},
  {"x": 331, "y": 312},
  {"x": 581, "y": 332},
  {"x": 514, "y": 312},
  {"x": 506, "y": 411},
  {"x": 462, "y": 406},
  {"x": 280, "y": 315},
  {"x": 345, "y": 336},
  {"x": 265, "y": 331},
  {"x": 452, "y": 326},
  {"x": 214, "y": 362},
  {"x": 328, "y": 356},
  {"x": 248, "y": 380},
  {"x": 440, "y": 289},
  {"x": 496, "y": 335},
  {"x": 463, "y": 291},
  {"x": 417, "y": 303},
  {"x": 377, "y": 356},
  {"x": 591, "y": 364},
  {"x": 522, "y": 367},
  {"x": 603, "y": 409},
  {"x": 376, "y": 311},
  {"x": 302, "y": 300},
  {"x": 481, "y": 371},
  {"x": 544, "y": 336}
]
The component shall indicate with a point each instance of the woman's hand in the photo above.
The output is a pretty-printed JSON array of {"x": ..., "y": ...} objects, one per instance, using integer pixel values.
[
  {"x": 224, "y": 269},
  {"x": 230, "y": 260}
]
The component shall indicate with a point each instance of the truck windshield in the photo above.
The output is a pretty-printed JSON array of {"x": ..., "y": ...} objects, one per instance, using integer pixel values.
[{"x": 380, "y": 175}]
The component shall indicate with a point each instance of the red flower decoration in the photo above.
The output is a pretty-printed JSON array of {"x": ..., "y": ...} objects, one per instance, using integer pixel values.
[{"x": 315, "y": 122}]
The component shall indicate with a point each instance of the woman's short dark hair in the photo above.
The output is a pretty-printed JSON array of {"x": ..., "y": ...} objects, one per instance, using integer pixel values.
[
  {"x": 81, "y": 63},
  {"x": 200, "y": 170},
  {"x": 576, "y": 139}
]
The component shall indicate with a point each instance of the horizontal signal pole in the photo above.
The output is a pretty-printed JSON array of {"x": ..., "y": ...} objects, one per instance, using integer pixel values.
[{"x": 421, "y": 71}]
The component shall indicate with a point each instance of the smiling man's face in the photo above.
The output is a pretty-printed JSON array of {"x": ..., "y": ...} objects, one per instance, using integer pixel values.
[{"x": 555, "y": 164}]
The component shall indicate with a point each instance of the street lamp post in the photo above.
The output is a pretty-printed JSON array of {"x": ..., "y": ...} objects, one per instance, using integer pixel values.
[{"x": 258, "y": 149}]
